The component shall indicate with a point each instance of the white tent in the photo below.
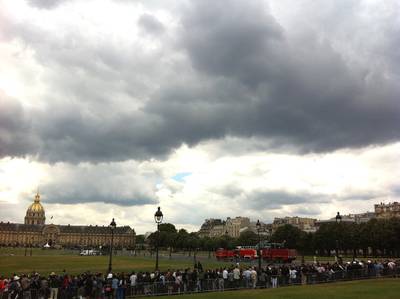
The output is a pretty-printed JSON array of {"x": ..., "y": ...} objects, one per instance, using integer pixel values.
[{"x": 46, "y": 245}]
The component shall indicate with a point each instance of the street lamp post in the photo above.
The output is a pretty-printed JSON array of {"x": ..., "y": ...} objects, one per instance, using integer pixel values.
[
  {"x": 258, "y": 225},
  {"x": 113, "y": 225},
  {"x": 338, "y": 219},
  {"x": 158, "y": 217}
]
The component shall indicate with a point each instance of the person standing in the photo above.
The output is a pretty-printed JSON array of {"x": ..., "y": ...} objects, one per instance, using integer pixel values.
[
  {"x": 88, "y": 286},
  {"x": 114, "y": 286},
  {"x": 15, "y": 289},
  {"x": 108, "y": 291},
  {"x": 274, "y": 277},
  {"x": 225, "y": 277},
  {"x": 292, "y": 275},
  {"x": 3, "y": 283},
  {"x": 253, "y": 276},
  {"x": 122, "y": 284},
  {"x": 54, "y": 283},
  {"x": 133, "y": 281},
  {"x": 236, "y": 276}
]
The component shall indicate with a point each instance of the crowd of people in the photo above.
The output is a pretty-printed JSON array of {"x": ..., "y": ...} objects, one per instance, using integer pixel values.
[{"x": 120, "y": 285}]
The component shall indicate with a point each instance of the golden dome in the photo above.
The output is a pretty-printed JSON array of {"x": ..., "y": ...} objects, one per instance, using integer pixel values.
[
  {"x": 35, "y": 214},
  {"x": 36, "y": 206}
]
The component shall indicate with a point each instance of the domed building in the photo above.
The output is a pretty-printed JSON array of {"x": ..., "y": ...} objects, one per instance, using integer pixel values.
[
  {"x": 35, "y": 213},
  {"x": 35, "y": 232}
]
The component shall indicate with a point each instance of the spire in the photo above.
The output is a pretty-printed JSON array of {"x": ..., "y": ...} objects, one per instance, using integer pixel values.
[{"x": 37, "y": 196}]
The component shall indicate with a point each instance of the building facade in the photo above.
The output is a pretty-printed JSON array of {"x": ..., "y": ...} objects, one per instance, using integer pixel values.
[
  {"x": 392, "y": 209},
  {"x": 304, "y": 224},
  {"x": 210, "y": 227},
  {"x": 232, "y": 227},
  {"x": 35, "y": 232}
]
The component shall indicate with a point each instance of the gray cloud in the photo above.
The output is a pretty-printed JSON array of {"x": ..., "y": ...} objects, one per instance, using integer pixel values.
[
  {"x": 306, "y": 211},
  {"x": 115, "y": 183},
  {"x": 46, "y": 4},
  {"x": 232, "y": 39},
  {"x": 151, "y": 24},
  {"x": 261, "y": 200},
  {"x": 16, "y": 138},
  {"x": 230, "y": 71}
]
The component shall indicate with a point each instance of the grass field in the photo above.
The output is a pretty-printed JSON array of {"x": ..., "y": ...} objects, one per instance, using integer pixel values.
[
  {"x": 367, "y": 289},
  {"x": 13, "y": 260},
  {"x": 80, "y": 264},
  {"x": 48, "y": 261}
]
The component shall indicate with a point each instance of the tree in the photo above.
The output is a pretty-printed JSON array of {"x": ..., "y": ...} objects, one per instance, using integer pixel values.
[
  {"x": 182, "y": 239},
  {"x": 247, "y": 238},
  {"x": 167, "y": 227},
  {"x": 289, "y": 234},
  {"x": 139, "y": 239},
  {"x": 209, "y": 244}
]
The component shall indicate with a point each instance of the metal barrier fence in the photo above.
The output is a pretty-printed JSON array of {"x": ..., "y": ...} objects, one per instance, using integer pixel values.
[
  {"x": 220, "y": 284},
  {"x": 200, "y": 285}
]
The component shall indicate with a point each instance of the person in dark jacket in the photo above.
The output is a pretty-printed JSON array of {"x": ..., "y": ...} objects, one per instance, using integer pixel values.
[{"x": 54, "y": 284}]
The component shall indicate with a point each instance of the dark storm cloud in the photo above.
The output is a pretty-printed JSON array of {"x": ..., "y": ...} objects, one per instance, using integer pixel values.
[
  {"x": 15, "y": 128},
  {"x": 242, "y": 75},
  {"x": 303, "y": 93},
  {"x": 115, "y": 183},
  {"x": 232, "y": 39}
]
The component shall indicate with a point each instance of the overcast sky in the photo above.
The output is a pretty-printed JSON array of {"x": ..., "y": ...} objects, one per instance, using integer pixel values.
[{"x": 207, "y": 108}]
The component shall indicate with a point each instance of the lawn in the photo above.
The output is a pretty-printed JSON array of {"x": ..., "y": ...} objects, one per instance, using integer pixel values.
[
  {"x": 13, "y": 260},
  {"x": 366, "y": 289},
  {"x": 16, "y": 262}
]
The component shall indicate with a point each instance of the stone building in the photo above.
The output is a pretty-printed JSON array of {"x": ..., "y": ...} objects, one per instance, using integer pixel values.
[
  {"x": 304, "y": 224},
  {"x": 34, "y": 232},
  {"x": 231, "y": 226},
  {"x": 392, "y": 209},
  {"x": 234, "y": 225},
  {"x": 207, "y": 229}
]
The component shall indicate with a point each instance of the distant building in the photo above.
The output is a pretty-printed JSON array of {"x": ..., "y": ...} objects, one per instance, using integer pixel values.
[
  {"x": 304, "y": 224},
  {"x": 34, "y": 232},
  {"x": 392, "y": 209},
  {"x": 362, "y": 217},
  {"x": 234, "y": 225},
  {"x": 265, "y": 229},
  {"x": 218, "y": 231},
  {"x": 350, "y": 218},
  {"x": 231, "y": 227},
  {"x": 208, "y": 226}
]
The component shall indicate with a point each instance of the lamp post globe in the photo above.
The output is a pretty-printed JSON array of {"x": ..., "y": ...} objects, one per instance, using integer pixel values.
[
  {"x": 338, "y": 217},
  {"x": 158, "y": 217},
  {"x": 112, "y": 227},
  {"x": 258, "y": 226}
]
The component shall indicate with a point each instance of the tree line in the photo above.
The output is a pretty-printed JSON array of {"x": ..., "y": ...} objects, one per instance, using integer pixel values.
[{"x": 377, "y": 237}]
